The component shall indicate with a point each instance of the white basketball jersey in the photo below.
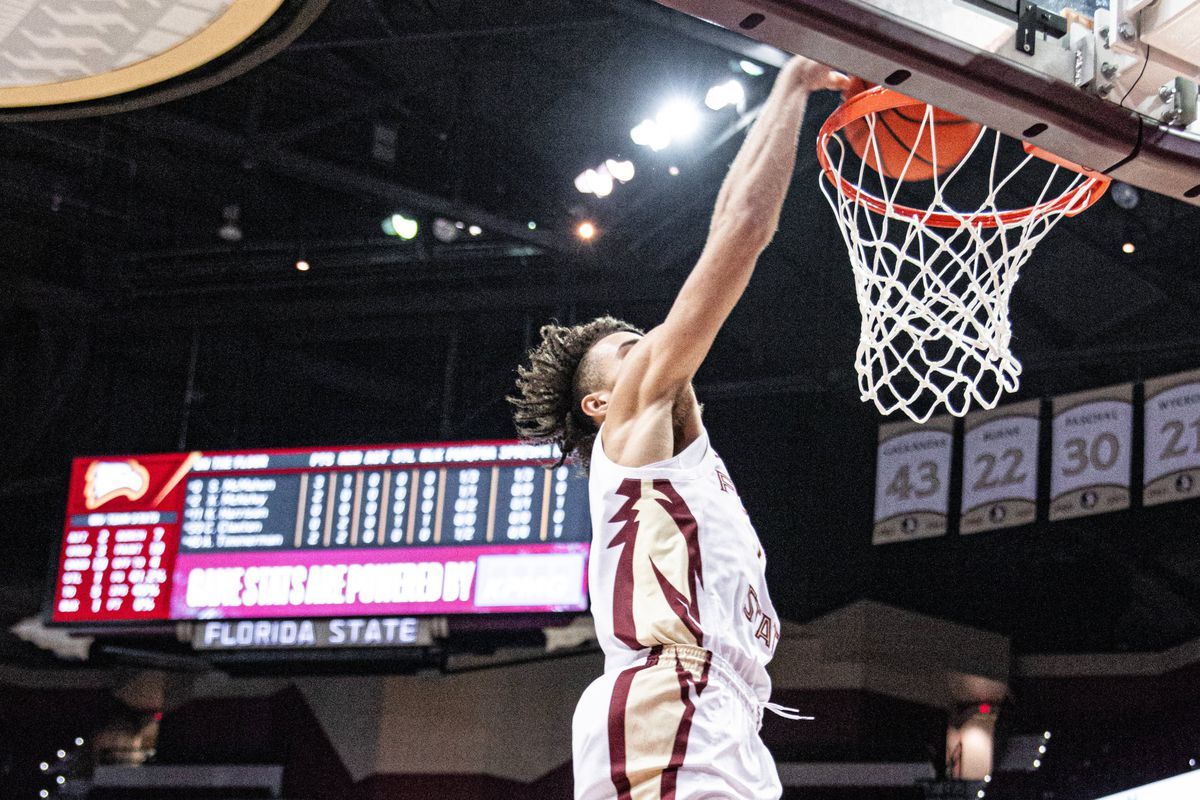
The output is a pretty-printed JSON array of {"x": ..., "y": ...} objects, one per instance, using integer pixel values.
[{"x": 675, "y": 560}]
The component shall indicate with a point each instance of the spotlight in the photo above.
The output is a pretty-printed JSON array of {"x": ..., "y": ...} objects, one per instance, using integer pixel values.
[
  {"x": 43, "y": 794},
  {"x": 599, "y": 181},
  {"x": 595, "y": 181},
  {"x": 1042, "y": 749},
  {"x": 1037, "y": 763},
  {"x": 1128, "y": 248},
  {"x": 302, "y": 265},
  {"x": 750, "y": 68},
  {"x": 43, "y": 766},
  {"x": 622, "y": 171},
  {"x": 673, "y": 170},
  {"x": 602, "y": 182},
  {"x": 586, "y": 230},
  {"x": 444, "y": 230},
  {"x": 1124, "y": 195},
  {"x": 79, "y": 741},
  {"x": 987, "y": 778},
  {"x": 725, "y": 94},
  {"x": 1191, "y": 762},
  {"x": 649, "y": 133},
  {"x": 60, "y": 780},
  {"x": 531, "y": 225},
  {"x": 231, "y": 231},
  {"x": 401, "y": 226},
  {"x": 1046, "y": 735},
  {"x": 980, "y": 793},
  {"x": 678, "y": 118},
  {"x": 61, "y": 754},
  {"x": 474, "y": 230},
  {"x": 585, "y": 180}
]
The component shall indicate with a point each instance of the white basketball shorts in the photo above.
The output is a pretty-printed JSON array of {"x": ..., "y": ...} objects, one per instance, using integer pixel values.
[{"x": 680, "y": 725}]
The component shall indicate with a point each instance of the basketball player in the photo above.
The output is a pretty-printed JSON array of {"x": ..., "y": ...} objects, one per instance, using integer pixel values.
[{"x": 676, "y": 575}]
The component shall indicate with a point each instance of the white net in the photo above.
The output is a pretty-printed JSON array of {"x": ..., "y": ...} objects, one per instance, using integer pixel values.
[{"x": 934, "y": 283}]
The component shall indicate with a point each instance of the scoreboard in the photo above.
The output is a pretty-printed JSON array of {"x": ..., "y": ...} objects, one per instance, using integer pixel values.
[{"x": 466, "y": 527}]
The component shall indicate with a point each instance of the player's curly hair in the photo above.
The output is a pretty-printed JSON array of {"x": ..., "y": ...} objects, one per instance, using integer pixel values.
[{"x": 551, "y": 387}]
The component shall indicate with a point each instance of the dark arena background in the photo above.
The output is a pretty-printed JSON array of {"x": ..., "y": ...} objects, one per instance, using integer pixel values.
[{"x": 291, "y": 283}]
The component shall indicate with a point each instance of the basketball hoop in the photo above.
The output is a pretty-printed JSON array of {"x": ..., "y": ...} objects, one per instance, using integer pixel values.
[{"x": 933, "y": 282}]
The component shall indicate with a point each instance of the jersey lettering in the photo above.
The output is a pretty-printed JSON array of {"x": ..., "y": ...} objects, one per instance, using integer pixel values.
[
  {"x": 764, "y": 632},
  {"x": 766, "y": 629},
  {"x": 752, "y": 608}
]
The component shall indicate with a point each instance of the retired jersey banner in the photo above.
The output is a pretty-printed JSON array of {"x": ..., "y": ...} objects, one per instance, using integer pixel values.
[
  {"x": 1093, "y": 436},
  {"x": 1000, "y": 449},
  {"x": 912, "y": 472},
  {"x": 1172, "y": 412}
]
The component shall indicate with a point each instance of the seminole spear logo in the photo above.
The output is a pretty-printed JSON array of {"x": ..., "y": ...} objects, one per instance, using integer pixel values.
[
  {"x": 655, "y": 599},
  {"x": 107, "y": 480}
]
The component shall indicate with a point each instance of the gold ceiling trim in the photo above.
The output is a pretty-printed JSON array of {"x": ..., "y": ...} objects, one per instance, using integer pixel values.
[{"x": 223, "y": 34}]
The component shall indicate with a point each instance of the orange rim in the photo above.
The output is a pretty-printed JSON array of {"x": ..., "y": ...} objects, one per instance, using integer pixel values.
[{"x": 881, "y": 98}]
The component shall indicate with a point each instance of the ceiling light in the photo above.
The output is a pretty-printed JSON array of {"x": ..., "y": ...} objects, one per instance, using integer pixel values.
[
  {"x": 1124, "y": 195},
  {"x": 61, "y": 754},
  {"x": 474, "y": 230},
  {"x": 586, "y": 230},
  {"x": 531, "y": 225},
  {"x": 649, "y": 133},
  {"x": 673, "y": 170},
  {"x": 602, "y": 182},
  {"x": 401, "y": 226},
  {"x": 750, "y": 68},
  {"x": 1036, "y": 763},
  {"x": 79, "y": 741},
  {"x": 585, "y": 180},
  {"x": 1128, "y": 247},
  {"x": 444, "y": 230},
  {"x": 621, "y": 170},
  {"x": 231, "y": 231},
  {"x": 643, "y": 132},
  {"x": 725, "y": 94},
  {"x": 599, "y": 181},
  {"x": 302, "y": 265},
  {"x": 679, "y": 118}
]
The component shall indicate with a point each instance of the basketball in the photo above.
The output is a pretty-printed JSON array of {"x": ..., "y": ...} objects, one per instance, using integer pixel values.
[{"x": 898, "y": 132}]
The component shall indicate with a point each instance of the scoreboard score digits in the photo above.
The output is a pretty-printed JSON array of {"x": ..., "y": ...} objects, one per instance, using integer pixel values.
[{"x": 435, "y": 529}]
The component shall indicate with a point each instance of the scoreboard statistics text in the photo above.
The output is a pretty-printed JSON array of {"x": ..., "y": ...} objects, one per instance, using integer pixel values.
[{"x": 468, "y": 527}]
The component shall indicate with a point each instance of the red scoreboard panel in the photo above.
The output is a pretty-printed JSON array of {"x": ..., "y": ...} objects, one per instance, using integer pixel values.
[{"x": 445, "y": 528}]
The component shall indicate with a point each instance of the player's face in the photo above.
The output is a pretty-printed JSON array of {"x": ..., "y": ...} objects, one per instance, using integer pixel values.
[{"x": 605, "y": 359}]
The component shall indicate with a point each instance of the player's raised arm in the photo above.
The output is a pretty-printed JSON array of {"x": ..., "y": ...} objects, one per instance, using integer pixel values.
[{"x": 743, "y": 222}]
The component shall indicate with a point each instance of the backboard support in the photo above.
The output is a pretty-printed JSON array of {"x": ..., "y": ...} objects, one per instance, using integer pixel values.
[{"x": 1112, "y": 89}]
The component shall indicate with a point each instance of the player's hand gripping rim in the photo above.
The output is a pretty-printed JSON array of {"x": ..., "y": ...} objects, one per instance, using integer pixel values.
[{"x": 810, "y": 76}]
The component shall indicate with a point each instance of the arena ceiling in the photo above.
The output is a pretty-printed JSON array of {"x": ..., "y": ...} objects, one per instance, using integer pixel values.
[{"x": 130, "y": 325}]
